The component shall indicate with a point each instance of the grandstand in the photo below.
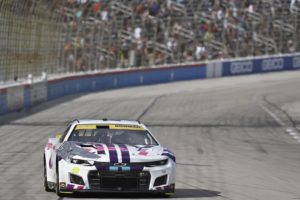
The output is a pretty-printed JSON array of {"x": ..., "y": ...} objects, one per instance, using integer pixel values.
[{"x": 93, "y": 35}]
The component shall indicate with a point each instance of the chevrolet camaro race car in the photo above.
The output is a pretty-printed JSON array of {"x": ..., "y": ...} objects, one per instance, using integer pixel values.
[{"x": 108, "y": 156}]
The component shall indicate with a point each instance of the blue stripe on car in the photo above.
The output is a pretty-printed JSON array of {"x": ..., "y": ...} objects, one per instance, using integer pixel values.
[
  {"x": 170, "y": 156},
  {"x": 113, "y": 156},
  {"x": 125, "y": 153}
]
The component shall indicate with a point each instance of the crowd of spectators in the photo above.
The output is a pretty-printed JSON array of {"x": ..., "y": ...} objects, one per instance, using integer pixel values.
[{"x": 101, "y": 34}]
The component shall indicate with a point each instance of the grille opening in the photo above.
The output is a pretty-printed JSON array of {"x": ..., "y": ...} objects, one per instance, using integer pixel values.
[
  {"x": 127, "y": 181},
  {"x": 116, "y": 183},
  {"x": 94, "y": 179},
  {"x": 162, "y": 180},
  {"x": 76, "y": 179}
]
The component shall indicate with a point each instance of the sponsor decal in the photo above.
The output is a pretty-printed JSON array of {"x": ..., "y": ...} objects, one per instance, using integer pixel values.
[
  {"x": 114, "y": 168},
  {"x": 80, "y": 187},
  {"x": 119, "y": 169},
  {"x": 241, "y": 67},
  {"x": 75, "y": 170},
  {"x": 111, "y": 126},
  {"x": 70, "y": 187},
  {"x": 125, "y": 169},
  {"x": 143, "y": 152},
  {"x": 126, "y": 127},
  {"x": 86, "y": 127},
  {"x": 74, "y": 187},
  {"x": 296, "y": 62},
  {"x": 272, "y": 64}
]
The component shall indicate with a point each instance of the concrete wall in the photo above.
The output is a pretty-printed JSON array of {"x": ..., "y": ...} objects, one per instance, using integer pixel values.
[{"x": 3, "y": 101}]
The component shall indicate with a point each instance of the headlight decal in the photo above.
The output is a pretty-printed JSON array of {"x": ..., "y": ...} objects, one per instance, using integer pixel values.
[{"x": 81, "y": 162}]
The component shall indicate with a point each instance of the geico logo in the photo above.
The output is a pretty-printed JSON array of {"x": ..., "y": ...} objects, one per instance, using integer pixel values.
[
  {"x": 296, "y": 62},
  {"x": 241, "y": 67},
  {"x": 272, "y": 64}
]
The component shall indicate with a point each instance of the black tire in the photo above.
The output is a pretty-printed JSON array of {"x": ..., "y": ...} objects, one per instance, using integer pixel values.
[
  {"x": 46, "y": 186},
  {"x": 165, "y": 195},
  {"x": 169, "y": 194}
]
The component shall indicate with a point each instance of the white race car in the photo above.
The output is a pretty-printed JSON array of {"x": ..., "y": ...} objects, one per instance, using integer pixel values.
[{"x": 108, "y": 156}]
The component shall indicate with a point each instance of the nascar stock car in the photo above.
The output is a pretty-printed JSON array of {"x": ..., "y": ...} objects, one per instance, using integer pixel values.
[{"x": 108, "y": 156}]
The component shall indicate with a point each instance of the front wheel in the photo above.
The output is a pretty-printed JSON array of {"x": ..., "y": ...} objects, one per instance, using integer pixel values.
[
  {"x": 171, "y": 192},
  {"x": 166, "y": 195}
]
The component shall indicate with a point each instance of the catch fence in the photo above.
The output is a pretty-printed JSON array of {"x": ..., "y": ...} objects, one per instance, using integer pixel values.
[{"x": 70, "y": 36}]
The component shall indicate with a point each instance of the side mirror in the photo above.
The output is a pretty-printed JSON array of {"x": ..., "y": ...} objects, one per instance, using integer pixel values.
[{"x": 58, "y": 135}]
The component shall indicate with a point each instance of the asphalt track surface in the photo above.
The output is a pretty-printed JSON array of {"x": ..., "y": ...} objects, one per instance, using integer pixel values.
[{"x": 229, "y": 135}]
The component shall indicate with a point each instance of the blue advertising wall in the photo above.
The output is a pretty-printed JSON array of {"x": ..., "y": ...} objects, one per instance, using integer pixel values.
[
  {"x": 113, "y": 80},
  {"x": 261, "y": 65}
]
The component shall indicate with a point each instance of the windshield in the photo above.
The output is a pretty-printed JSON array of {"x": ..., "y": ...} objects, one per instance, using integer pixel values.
[{"x": 103, "y": 134}]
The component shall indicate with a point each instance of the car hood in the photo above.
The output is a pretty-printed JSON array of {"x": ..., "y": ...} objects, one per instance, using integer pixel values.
[{"x": 113, "y": 153}]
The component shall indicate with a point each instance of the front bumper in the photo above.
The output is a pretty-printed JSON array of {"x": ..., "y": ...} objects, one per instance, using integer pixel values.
[
  {"x": 167, "y": 190},
  {"x": 160, "y": 179}
]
